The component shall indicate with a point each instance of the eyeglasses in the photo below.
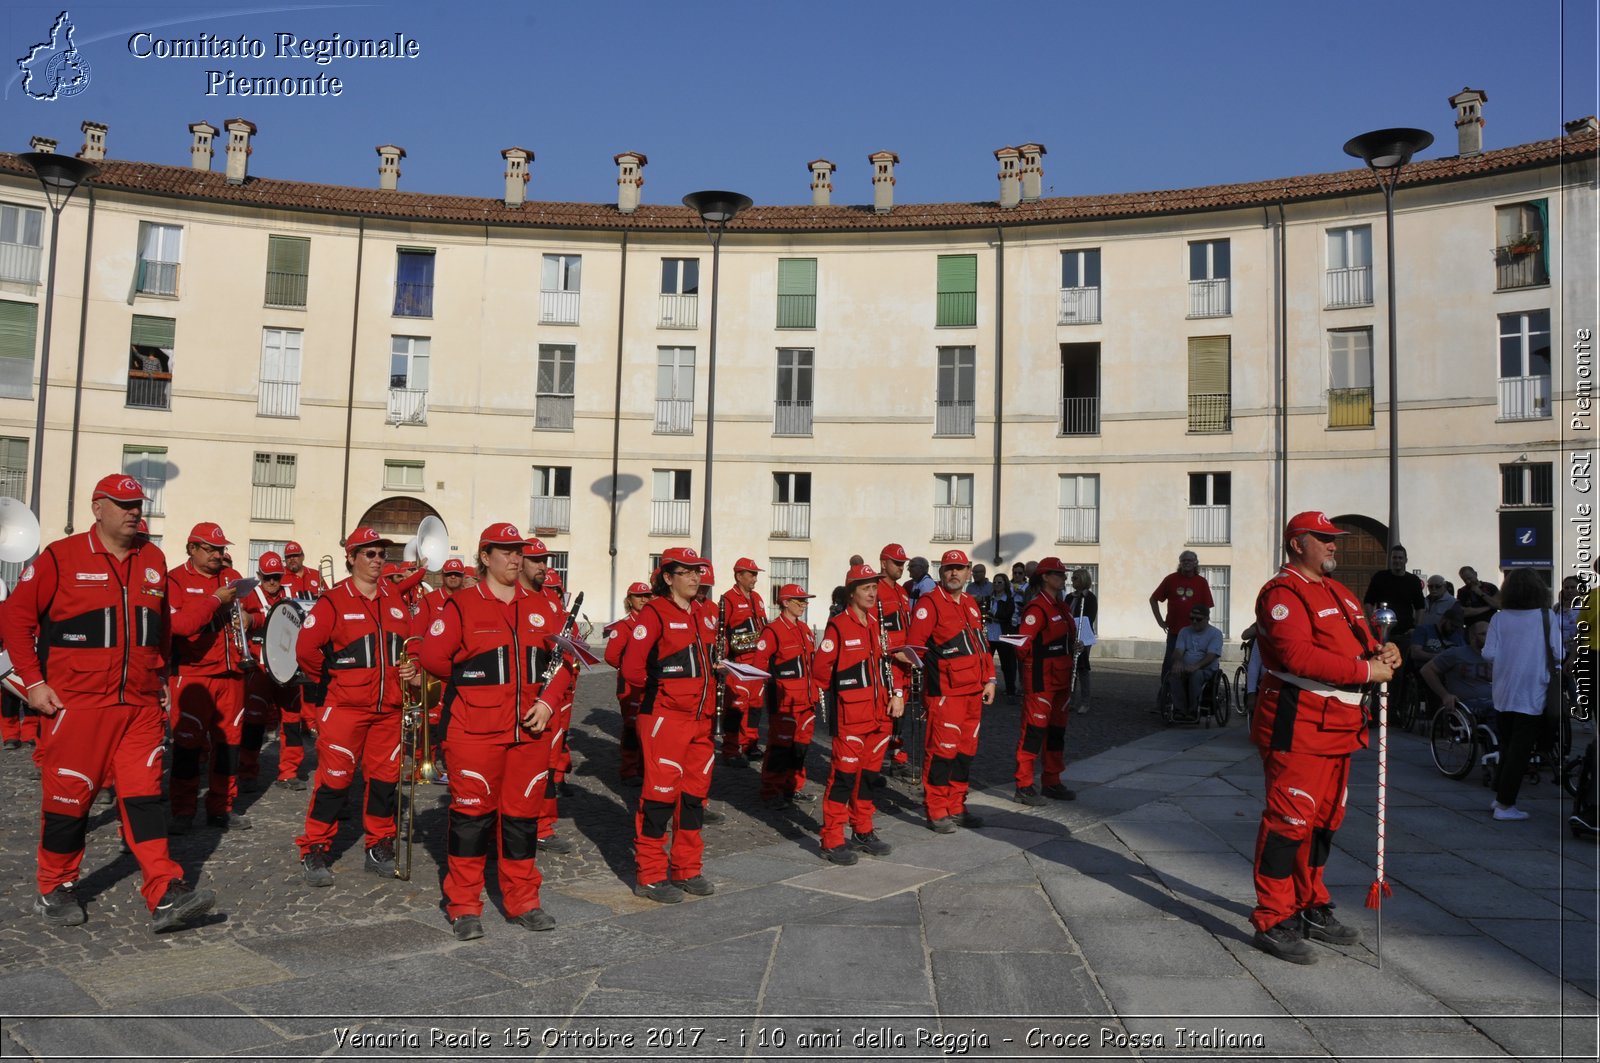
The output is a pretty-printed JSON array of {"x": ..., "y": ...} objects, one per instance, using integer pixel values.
[
  {"x": 370, "y": 554},
  {"x": 272, "y": 578},
  {"x": 1322, "y": 537}
]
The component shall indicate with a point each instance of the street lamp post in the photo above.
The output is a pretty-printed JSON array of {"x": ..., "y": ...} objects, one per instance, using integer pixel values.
[
  {"x": 1386, "y": 152},
  {"x": 60, "y": 175},
  {"x": 716, "y": 210}
]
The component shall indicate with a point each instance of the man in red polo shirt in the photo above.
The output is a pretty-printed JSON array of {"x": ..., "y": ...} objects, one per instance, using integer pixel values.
[
  {"x": 299, "y": 581},
  {"x": 1180, "y": 592},
  {"x": 746, "y": 616}
]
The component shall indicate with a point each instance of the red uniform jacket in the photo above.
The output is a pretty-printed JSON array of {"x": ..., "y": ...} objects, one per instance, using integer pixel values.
[
  {"x": 747, "y": 615},
  {"x": 784, "y": 651},
  {"x": 87, "y": 624},
  {"x": 353, "y": 643},
  {"x": 307, "y": 584},
  {"x": 428, "y": 607},
  {"x": 200, "y": 643},
  {"x": 957, "y": 661},
  {"x": 668, "y": 656},
  {"x": 894, "y": 605},
  {"x": 849, "y": 666},
  {"x": 1314, "y": 648},
  {"x": 494, "y": 654},
  {"x": 617, "y": 633},
  {"x": 1051, "y": 652}
]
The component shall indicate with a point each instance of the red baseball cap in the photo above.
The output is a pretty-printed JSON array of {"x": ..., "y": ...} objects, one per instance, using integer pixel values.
[
  {"x": 859, "y": 574},
  {"x": 364, "y": 536},
  {"x": 893, "y": 552},
  {"x": 454, "y": 567},
  {"x": 534, "y": 547},
  {"x": 552, "y": 580},
  {"x": 1313, "y": 521},
  {"x": 708, "y": 575},
  {"x": 209, "y": 533},
  {"x": 639, "y": 590},
  {"x": 744, "y": 564},
  {"x": 685, "y": 556},
  {"x": 143, "y": 527},
  {"x": 500, "y": 535},
  {"x": 269, "y": 564},
  {"x": 393, "y": 568},
  {"x": 955, "y": 559},
  {"x": 790, "y": 591},
  {"x": 292, "y": 549},
  {"x": 1051, "y": 564},
  {"x": 119, "y": 487}
]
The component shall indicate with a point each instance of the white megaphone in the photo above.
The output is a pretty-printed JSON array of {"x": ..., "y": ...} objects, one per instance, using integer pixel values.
[
  {"x": 19, "y": 531},
  {"x": 431, "y": 544},
  {"x": 410, "y": 552}
]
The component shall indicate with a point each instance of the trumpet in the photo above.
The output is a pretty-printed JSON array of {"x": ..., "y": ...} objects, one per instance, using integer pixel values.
[
  {"x": 743, "y": 642},
  {"x": 237, "y": 632},
  {"x": 416, "y": 747}
]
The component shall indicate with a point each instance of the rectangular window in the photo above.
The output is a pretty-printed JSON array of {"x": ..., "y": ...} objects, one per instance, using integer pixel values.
[
  {"x": 680, "y": 293},
  {"x": 551, "y": 499},
  {"x": 955, "y": 391},
  {"x": 408, "y": 379},
  {"x": 279, "y": 392},
  {"x": 1522, "y": 245},
  {"x": 1078, "y": 514},
  {"x": 151, "y": 344},
  {"x": 20, "y": 231},
  {"x": 1210, "y": 398},
  {"x": 1349, "y": 277},
  {"x": 1525, "y": 365},
  {"x": 272, "y": 487},
  {"x": 18, "y": 337},
  {"x": 559, "y": 284},
  {"x": 402, "y": 475},
  {"x": 791, "y": 415},
  {"x": 288, "y": 270},
  {"x": 262, "y": 546},
  {"x": 1209, "y": 271},
  {"x": 555, "y": 387},
  {"x": 669, "y": 504},
  {"x": 952, "y": 507},
  {"x": 675, "y": 391},
  {"x": 413, "y": 282},
  {"x": 797, "y": 293},
  {"x": 557, "y": 562},
  {"x": 1080, "y": 287},
  {"x": 1210, "y": 502},
  {"x": 791, "y": 505},
  {"x": 159, "y": 256},
  {"x": 13, "y": 468},
  {"x": 957, "y": 295},
  {"x": 1080, "y": 389},
  {"x": 1526, "y": 484},
  {"x": 1350, "y": 378},
  {"x": 785, "y": 570},
  {"x": 148, "y": 465},
  {"x": 1218, "y": 576}
]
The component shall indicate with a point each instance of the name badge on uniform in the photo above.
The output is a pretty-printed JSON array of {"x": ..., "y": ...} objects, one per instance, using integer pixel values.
[
  {"x": 678, "y": 627},
  {"x": 99, "y": 577},
  {"x": 355, "y": 616},
  {"x": 852, "y": 642}
]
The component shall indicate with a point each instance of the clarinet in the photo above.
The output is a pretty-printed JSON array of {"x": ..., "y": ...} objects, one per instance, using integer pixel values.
[
  {"x": 556, "y": 657},
  {"x": 885, "y": 665},
  {"x": 719, "y": 653}
]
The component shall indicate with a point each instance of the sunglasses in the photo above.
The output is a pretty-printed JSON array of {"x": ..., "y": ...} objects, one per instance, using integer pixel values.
[
  {"x": 272, "y": 578},
  {"x": 370, "y": 554}
]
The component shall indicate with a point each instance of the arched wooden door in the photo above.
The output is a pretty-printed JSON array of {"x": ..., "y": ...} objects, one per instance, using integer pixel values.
[
  {"x": 397, "y": 518},
  {"x": 1362, "y": 553}
]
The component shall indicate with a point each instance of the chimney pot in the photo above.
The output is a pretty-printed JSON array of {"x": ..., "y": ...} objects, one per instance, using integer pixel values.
[
  {"x": 517, "y": 160},
  {"x": 94, "y": 142},
  {"x": 240, "y": 130},
  {"x": 1032, "y": 170},
  {"x": 883, "y": 163},
  {"x": 200, "y": 150},
  {"x": 45, "y": 145},
  {"x": 389, "y": 156},
  {"x": 821, "y": 182},
  {"x": 1010, "y": 181},
  {"x": 1587, "y": 124},
  {"x": 630, "y": 178},
  {"x": 1469, "y": 120}
]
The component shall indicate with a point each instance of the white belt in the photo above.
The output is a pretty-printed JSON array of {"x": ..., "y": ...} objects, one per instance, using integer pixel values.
[{"x": 1310, "y": 686}]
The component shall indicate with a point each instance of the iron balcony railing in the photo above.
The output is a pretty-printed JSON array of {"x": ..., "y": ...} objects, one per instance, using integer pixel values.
[
  {"x": 1210, "y": 412},
  {"x": 1080, "y": 415},
  {"x": 1519, "y": 269},
  {"x": 550, "y": 513},
  {"x": 155, "y": 491},
  {"x": 669, "y": 516},
  {"x": 791, "y": 417},
  {"x": 953, "y": 417},
  {"x": 674, "y": 417},
  {"x": 791, "y": 520},
  {"x": 1350, "y": 407},
  {"x": 271, "y": 502},
  {"x": 1079, "y": 306},
  {"x": 286, "y": 289},
  {"x": 1078, "y": 524},
  {"x": 679, "y": 311},
  {"x": 158, "y": 278},
  {"x": 1208, "y": 525},
  {"x": 149, "y": 391},
  {"x": 408, "y": 406},
  {"x": 278, "y": 398},
  {"x": 19, "y": 262},
  {"x": 558, "y": 308},
  {"x": 1524, "y": 398},
  {"x": 1208, "y": 298},
  {"x": 553, "y": 413},
  {"x": 1351, "y": 286},
  {"x": 952, "y": 524}
]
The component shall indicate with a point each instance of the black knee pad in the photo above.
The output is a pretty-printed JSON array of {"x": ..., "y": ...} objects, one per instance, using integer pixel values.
[
  {"x": 1032, "y": 739},
  {"x": 470, "y": 835},
  {"x": 1321, "y": 846},
  {"x": 1277, "y": 856},
  {"x": 752, "y": 716},
  {"x": 797, "y": 757},
  {"x": 519, "y": 837},
  {"x": 630, "y": 738},
  {"x": 225, "y": 760},
  {"x": 656, "y": 816},
  {"x": 843, "y": 787},
  {"x": 252, "y": 736},
  {"x": 185, "y": 763},
  {"x": 551, "y": 786},
  {"x": 691, "y": 811},
  {"x": 147, "y": 817},
  {"x": 961, "y": 767},
  {"x": 779, "y": 759},
  {"x": 327, "y": 803},
  {"x": 382, "y": 799},
  {"x": 1055, "y": 739},
  {"x": 293, "y": 734},
  {"x": 63, "y": 834},
  {"x": 940, "y": 771}
]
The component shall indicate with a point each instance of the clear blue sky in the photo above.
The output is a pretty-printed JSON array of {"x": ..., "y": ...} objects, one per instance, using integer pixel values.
[{"x": 1126, "y": 96}]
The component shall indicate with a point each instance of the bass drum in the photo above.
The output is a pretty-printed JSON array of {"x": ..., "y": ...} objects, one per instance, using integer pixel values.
[{"x": 278, "y": 644}]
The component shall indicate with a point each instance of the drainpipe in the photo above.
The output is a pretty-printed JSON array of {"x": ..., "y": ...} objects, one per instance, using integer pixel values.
[
  {"x": 1283, "y": 375},
  {"x": 77, "y": 389},
  {"x": 999, "y": 371},
  {"x": 350, "y": 398},
  {"x": 616, "y": 420}
]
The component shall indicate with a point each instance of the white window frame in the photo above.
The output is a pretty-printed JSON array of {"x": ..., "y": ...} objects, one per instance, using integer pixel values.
[
  {"x": 21, "y": 243},
  {"x": 549, "y": 509},
  {"x": 1078, "y": 508},
  {"x": 282, "y": 357},
  {"x": 272, "y": 483},
  {"x": 401, "y": 474},
  {"x": 148, "y": 465},
  {"x": 159, "y": 239}
]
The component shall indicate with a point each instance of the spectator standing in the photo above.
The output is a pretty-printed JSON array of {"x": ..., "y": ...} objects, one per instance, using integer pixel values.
[
  {"x": 1180, "y": 592},
  {"x": 1478, "y": 600},
  {"x": 1085, "y": 609},
  {"x": 981, "y": 586},
  {"x": 919, "y": 582},
  {"x": 1005, "y": 604},
  {"x": 1401, "y": 591},
  {"x": 1524, "y": 639}
]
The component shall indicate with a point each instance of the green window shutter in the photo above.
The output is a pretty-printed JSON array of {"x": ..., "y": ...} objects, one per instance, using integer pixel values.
[
  {"x": 17, "y": 340},
  {"x": 288, "y": 265},
  {"x": 154, "y": 332},
  {"x": 1210, "y": 406},
  {"x": 958, "y": 290},
  {"x": 797, "y": 293}
]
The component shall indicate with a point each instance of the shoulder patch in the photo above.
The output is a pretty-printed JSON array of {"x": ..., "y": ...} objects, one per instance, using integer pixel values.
[
  {"x": 922, "y": 612},
  {"x": 761, "y": 644},
  {"x": 437, "y": 628},
  {"x": 1280, "y": 611},
  {"x": 640, "y": 633},
  {"x": 827, "y": 645},
  {"x": 27, "y": 574},
  {"x": 536, "y": 619},
  {"x": 152, "y": 576},
  {"x": 309, "y": 622},
  {"x": 1030, "y": 620}
]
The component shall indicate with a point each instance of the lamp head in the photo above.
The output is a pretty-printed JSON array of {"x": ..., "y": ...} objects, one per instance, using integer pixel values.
[{"x": 1388, "y": 149}]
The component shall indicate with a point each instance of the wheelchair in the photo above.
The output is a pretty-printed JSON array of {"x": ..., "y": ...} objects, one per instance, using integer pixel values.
[
  {"x": 1215, "y": 705},
  {"x": 1461, "y": 738}
]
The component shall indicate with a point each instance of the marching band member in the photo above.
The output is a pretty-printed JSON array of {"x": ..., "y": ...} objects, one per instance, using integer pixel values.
[
  {"x": 784, "y": 651},
  {"x": 746, "y": 616},
  {"x": 492, "y": 643},
  {"x": 299, "y": 581},
  {"x": 1046, "y": 662},
  {"x": 535, "y": 571},
  {"x": 452, "y": 575},
  {"x": 354, "y": 639},
  {"x": 267, "y": 703},
  {"x": 960, "y": 680},
  {"x": 668, "y": 656},
  {"x": 207, "y": 697},
  {"x": 631, "y": 768},
  {"x": 894, "y": 609},
  {"x": 101, "y": 696},
  {"x": 850, "y": 666},
  {"x": 18, "y": 723}
]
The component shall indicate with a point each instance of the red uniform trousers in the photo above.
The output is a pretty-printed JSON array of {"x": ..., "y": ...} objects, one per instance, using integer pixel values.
[
  {"x": 952, "y": 742},
  {"x": 268, "y": 705},
  {"x": 349, "y": 737},
  {"x": 1044, "y": 730},
  {"x": 861, "y": 737},
  {"x": 678, "y": 756},
  {"x": 632, "y": 763},
  {"x": 1305, "y": 805},
  {"x": 495, "y": 792},
  {"x": 82, "y": 747},
  {"x": 18, "y": 723},
  {"x": 207, "y": 717},
  {"x": 741, "y": 720},
  {"x": 789, "y": 732},
  {"x": 560, "y": 759}
]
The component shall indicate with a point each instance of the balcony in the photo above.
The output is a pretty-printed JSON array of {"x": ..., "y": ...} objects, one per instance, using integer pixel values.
[
  {"x": 1350, "y": 407},
  {"x": 278, "y": 398},
  {"x": 953, "y": 417},
  {"x": 550, "y": 513},
  {"x": 158, "y": 278},
  {"x": 1524, "y": 398},
  {"x": 12, "y": 482},
  {"x": 1520, "y": 264},
  {"x": 413, "y": 299},
  {"x": 1210, "y": 412},
  {"x": 1209, "y": 298},
  {"x": 952, "y": 524},
  {"x": 558, "y": 308},
  {"x": 791, "y": 417},
  {"x": 149, "y": 391},
  {"x": 289, "y": 289},
  {"x": 791, "y": 520},
  {"x": 19, "y": 262},
  {"x": 1079, "y": 306},
  {"x": 1208, "y": 525},
  {"x": 1080, "y": 415},
  {"x": 271, "y": 502},
  {"x": 674, "y": 417},
  {"x": 1349, "y": 287},
  {"x": 679, "y": 311},
  {"x": 553, "y": 413},
  {"x": 1077, "y": 524},
  {"x": 408, "y": 406},
  {"x": 669, "y": 516}
]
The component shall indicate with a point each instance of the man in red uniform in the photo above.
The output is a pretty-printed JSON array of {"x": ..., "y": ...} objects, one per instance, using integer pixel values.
[
  {"x": 267, "y": 703},
  {"x": 784, "y": 651},
  {"x": 894, "y": 613},
  {"x": 852, "y": 667},
  {"x": 534, "y": 576},
  {"x": 1046, "y": 662},
  {"x": 491, "y": 644},
  {"x": 452, "y": 574},
  {"x": 207, "y": 685},
  {"x": 1180, "y": 592},
  {"x": 354, "y": 639},
  {"x": 87, "y": 631},
  {"x": 299, "y": 581},
  {"x": 631, "y": 767},
  {"x": 669, "y": 656},
  {"x": 1316, "y": 652},
  {"x": 959, "y": 676},
  {"x": 746, "y": 615}
]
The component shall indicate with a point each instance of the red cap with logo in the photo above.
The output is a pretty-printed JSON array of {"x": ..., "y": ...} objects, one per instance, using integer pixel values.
[
  {"x": 683, "y": 555},
  {"x": 534, "y": 547},
  {"x": 119, "y": 487},
  {"x": 1313, "y": 521},
  {"x": 860, "y": 574},
  {"x": 790, "y": 591},
  {"x": 552, "y": 580},
  {"x": 269, "y": 564},
  {"x": 638, "y": 590},
  {"x": 364, "y": 536},
  {"x": 893, "y": 552},
  {"x": 454, "y": 567},
  {"x": 393, "y": 568},
  {"x": 209, "y": 533},
  {"x": 955, "y": 559},
  {"x": 143, "y": 527},
  {"x": 744, "y": 564},
  {"x": 708, "y": 575},
  {"x": 292, "y": 549},
  {"x": 500, "y": 535},
  {"x": 1051, "y": 564}
]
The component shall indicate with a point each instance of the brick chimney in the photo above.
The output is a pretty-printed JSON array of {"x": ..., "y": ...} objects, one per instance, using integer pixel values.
[
  {"x": 1010, "y": 182},
  {"x": 240, "y": 131},
  {"x": 1032, "y": 171},
  {"x": 883, "y": 163},
  {"x": 42, "y": 144},
  {"x": 389, "y": 156},
  {"x": 200, "y": 147},
  {"x": 517, "y": 160},
  {"x": 94, "y": 142},
  {"x": 821, "y": 182},
  {"x": 1469, "y": 120},
  {"x": 630, "y": 178},
  {"x": 1587, "y": 124}
]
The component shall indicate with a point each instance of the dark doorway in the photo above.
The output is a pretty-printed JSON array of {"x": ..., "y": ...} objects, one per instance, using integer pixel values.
[{"x": 1362, "y": 553}]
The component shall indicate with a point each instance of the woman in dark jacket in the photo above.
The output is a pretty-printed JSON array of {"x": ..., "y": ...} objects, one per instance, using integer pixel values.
[{"x": 1083, "y": 605}]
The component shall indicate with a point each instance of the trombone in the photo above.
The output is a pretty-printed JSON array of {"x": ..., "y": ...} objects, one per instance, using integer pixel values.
[{"x": 416, "y": 743}]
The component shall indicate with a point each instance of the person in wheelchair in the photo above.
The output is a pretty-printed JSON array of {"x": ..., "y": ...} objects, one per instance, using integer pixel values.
[
  {"x": 1461, "y": 674},
  {"x": 1195, "y": 657}
]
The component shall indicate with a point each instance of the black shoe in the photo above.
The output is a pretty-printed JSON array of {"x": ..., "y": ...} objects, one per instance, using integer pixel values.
[
  {"x": 735, "y": 760},
  {"x": 754, "y": 752},
  {"x": 662, "y": 892},
  {"x": 229, "y": 821},
  {"x": 709, "y": 815},
  {"x": 316, "y": 867},
  {"x": 1320, "y": 924},
  {"x": 943, "y": 825},
  {"x": 1027, "y": 795},
  {"x": 842, "y": 855},
  {"x": 1286, "y": 942},
  {"x": 533, "y": 919},
  {"x": 554, "y": 844},
  {"x": 780, "y": 802},
  {"x": 180, "y": 824},
  {"x": 699, "y": 885},
  {"x": 805, "y": 797},
  {"x": 380, "y": 858},
  {"x": 13, "y": 743},
  {"x": 1057, "y": 792},
  {"x": 290, "y": 784},
  {"x": 466, "y": 927},
  {"x": 970, "y": 820},
  {"x": 870, "y": 843},
  {"x": 180, "y": 906},
  {"x": 61, "y": 907}
]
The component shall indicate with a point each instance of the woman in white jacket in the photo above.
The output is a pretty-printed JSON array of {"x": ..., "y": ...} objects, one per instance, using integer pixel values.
[{"x": 1519, "y": 636}]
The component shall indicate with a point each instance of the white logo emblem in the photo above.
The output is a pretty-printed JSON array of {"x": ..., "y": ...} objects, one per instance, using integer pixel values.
[
  {"x": 536, "y": 619},
  {"x": 152, "y": 576},
  {"x": 27, "y": 574},
  {"x": 1030, "y": 620},
  {"x": 711, "y": 622},
  {"x": 922, "y": 613},
  {"x": 396, "y": 613},
  {"x": 310, "y": 622},
  {"x": 437, "y": 628},
  {"x": 761, "y": 644},
  {"x": 640, "y": 633},
  {"x": 1280, "y": 611},
  {"x": 827, "y": 645}
]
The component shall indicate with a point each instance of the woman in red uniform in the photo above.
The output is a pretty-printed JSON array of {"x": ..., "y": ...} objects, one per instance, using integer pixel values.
[
  {"x": 784, "y": 651},
  {"x": 854, "y": 672},
  {"x": 1046, "y": 661},
  {"x": 491, "y": 643},
  {"x": 628, "y": 696}
]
